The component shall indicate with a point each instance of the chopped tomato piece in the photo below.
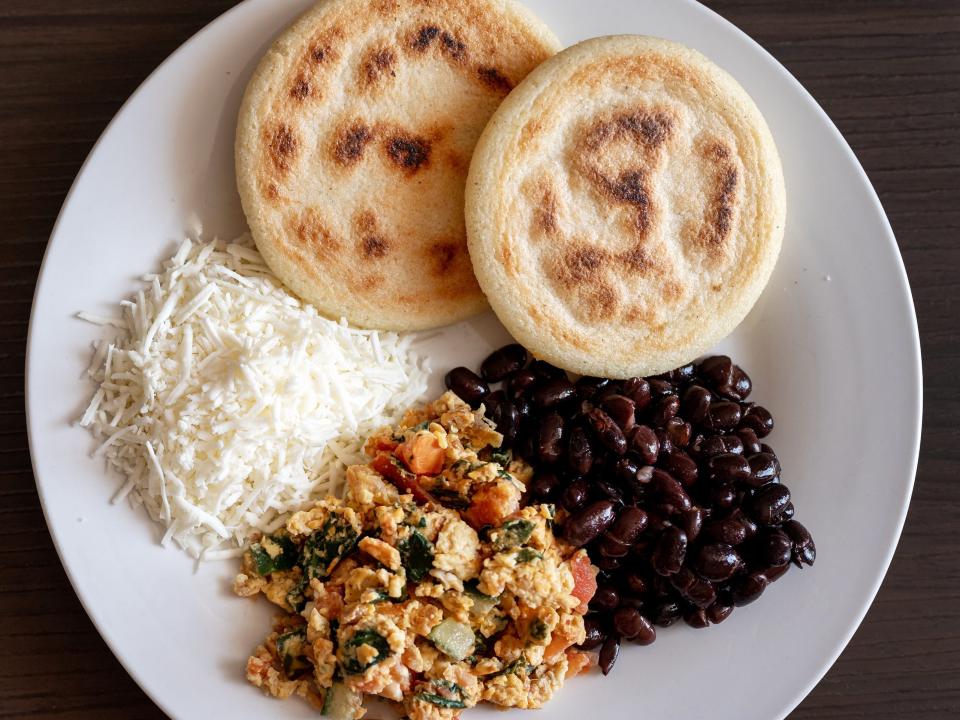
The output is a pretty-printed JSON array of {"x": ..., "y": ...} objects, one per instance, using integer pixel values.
[
  {"x": 584, "y": 580},
  {"x": 405, "y": 480},
  {"x": 559, "y": 642},
  {"x": 422, "y": 454},
  {"x": 385, "y": 445},
  {"x": 492, "y": 504}
]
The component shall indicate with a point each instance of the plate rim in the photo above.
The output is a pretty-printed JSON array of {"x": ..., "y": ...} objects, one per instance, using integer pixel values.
[{"x": 913, "y": 352}]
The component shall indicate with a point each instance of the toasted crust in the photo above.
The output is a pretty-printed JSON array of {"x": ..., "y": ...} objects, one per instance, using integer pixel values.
[
  {"x": 625, "y": 207},
  {"x": 353, "y": 144}
]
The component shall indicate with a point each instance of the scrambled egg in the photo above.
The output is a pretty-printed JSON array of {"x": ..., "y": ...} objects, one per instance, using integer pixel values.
[{"x": 428, "y": 584}]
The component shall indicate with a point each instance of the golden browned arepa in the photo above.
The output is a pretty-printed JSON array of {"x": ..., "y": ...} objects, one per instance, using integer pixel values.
[
  {"x": 625, "y": 207},
  {"x": 353, "y": 145}
]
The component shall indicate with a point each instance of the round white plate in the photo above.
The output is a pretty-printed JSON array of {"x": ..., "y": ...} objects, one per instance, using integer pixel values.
[{"x": 832, "y": 348}]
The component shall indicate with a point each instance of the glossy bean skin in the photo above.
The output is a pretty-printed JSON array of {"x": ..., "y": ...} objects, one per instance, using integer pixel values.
[
  {"x": 644, "y": 441},
  {"x": 681, "y": 466},
  {"x": 716, "y": 562},
  {"x": 758, "y": 419},
  {"x": 545, "y": 486},
  {"x": 550, "y": 439},
  {"x": 579, "y": 451},
  {"x": 587, "y": 524},
  {"x": 751, "y": 443},
  {"x": 768, "y": 503},
  {"x": 638, "y": 390},
  {"x": 691, "y": 522},
  {"x": 747, "y": 588},
  {"x": 728, "y": 468},
  {"x": 666, "y": 614},
  {"x": 631, "y": 625},
  {"x": 507, "y": 419},
  {"x": 773, "y": 547},
  {"x": 669, "y": 552},
  {"x": 696, "y": 618},
  {"x": 679, "y": 432},
  {"x": 723, "y": 416},
  {"x": 804, "y": 551},
  {"x": 630, "y": 523},
  {"x": 503, "y": 362},
  {"x": 664, "y": 409},
  {"x": 594, "y": 633},
  {"x": 552, "y": 393},
  {"x": 545, "y": 371},
  {"x": 468, "y": 386},
  {"x": 607, "y": 432},
  {"x": 521, "y": 382},
  {"x": 608, "y": 654},
  {"x": 764, "y": 469},
  {"x": 575, "y": 495},
  {"x": 718, "y": 612},
  {"x": 606, "y": 599},
  {"x": 621, "y": 410},
  {"x": 670, "y": 492},
  {"x": 588, "y": 387}
]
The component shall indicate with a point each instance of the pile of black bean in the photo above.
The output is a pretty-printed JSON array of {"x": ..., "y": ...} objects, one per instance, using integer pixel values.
[{"x": 664, "y": 480}]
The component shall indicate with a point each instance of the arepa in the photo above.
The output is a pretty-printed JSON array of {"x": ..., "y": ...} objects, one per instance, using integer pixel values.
[
  {"x": 353, "y": 144},
  {"x": 625, "y": 207}
]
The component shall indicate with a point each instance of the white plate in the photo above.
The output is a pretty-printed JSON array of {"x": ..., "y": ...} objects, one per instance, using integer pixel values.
[{"x": 832, "y": 348}]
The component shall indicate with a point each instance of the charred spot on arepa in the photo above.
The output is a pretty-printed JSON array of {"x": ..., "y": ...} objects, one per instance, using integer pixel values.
[
  {"x": 493, "y": 78},
  {"x": 453, "y": 46},
  {"x": 545, "y": 213},
  {"x": 407, "y": 151},
  {"x": 442, "y": 255},
  {"x": 379, "y": 63},
  {"x": 580, "y": 264},
  {"x": 718, "y": 218},
  {"x": 350, "y": 141},
  {"x": 301, "y": 88},
  {"x": 308, "y": 232},
  {"x": 371, "y": 242},
  {"x": 424, "y": 37},
  {"x": 282, "y": 147}
]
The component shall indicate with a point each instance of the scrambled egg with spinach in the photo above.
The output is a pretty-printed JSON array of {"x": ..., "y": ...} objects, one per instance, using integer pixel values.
[{"x": 428, "y": 584}]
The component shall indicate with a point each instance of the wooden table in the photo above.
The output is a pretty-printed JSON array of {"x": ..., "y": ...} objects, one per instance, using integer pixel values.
[{"x": 887, "y": 72}]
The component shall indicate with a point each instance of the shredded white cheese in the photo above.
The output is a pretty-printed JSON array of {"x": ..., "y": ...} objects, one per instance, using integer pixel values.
[{"x": 226, "y": 402}]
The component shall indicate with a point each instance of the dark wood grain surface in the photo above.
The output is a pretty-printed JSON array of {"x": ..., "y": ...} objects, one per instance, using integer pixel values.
[{"x": 887, "y": 72}]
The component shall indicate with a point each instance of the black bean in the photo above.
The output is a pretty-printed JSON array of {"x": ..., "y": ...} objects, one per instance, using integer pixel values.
[
  {"x": 727, "y": 469},
  {"x": 722, "y": 496},
  {"x": 681, "y": 466},
  {"x": 772, "y": 548},
  {"x": 644, "y": 440},
  {"x": 638, "y": 390},
  {"x": 696, "y": 618},
  {"x": 610, "y": 548},
  {"x": 630, "y": 523},
  {"x": 670, "y": 492},
  {"x": 711, "y": 445},
  {"x": 692, "y": 522},
  {"x": 740, "y": 385},
  {"x": 621, "y": 409},
  {"x": 636, "y": 584},
  {"x": 550, "y": 438},
  {"x": 503, "y": 362},
  {"x": 786, "y": 513},
  {"x": 680, "y": 432},
  {"x": 467, "y": 385},
  {"x": 605, "y": 599},
  {"x": 609, "y": 490},
  {"x": 716, "y": 371},
  {"x": 765, "y": 507},
  {"x": 492, "y": 400},
  {"x": 607, "y": 432},
  {"x": 718, "y": 612},
  {"x": 520, "y": 382},
  {"x": 545, "y": 371},
  {"x": 666, "y": 614},
  {"x": 701, "y": 593},
  {"x": 546, "y": 486},
  {"x": 669, "y": 552},
  {"x": 507, "y": 420},
  {"x": 680, "y": 375},
  {"x": 666, "y": 444},
  {"x": 716, "y": 562},
  {"x": 664, "y": 409},
  {"x": 751, "y": 443},
  {"x": 748, "y": 588},
  {"x": 608, "y": 654},
  {"x": 696, "y": 404},
  {"x": 588, "y": 387},
  {"x": 758, "y": 419},
  {"x": 523, "y": 406},
  {"x": 575, "y": 495},
  {"x": 730, "y": 530},
  {"x": 587, "y": 524},
  {"x": 552, "y": 393},
  {"x": 775, "y": 573},
  {"x": 579, "y": 451},
  {"x": 804, "y": 551},
  {"x": 723, "y": 416},
  {"x": 594, "y": 632},
  {"x": 607, "y": 564},
  {"x": 660, "y": 388},
  {"x": 625, "y": 469},
  {"x": 631, "y": 625},
  {"x": 764, "y": 468}
]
